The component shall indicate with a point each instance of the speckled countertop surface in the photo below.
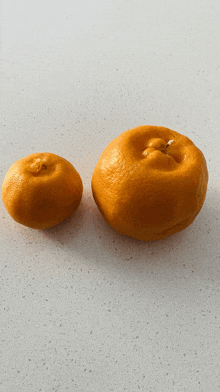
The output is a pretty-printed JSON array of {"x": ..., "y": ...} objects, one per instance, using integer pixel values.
[{"x": 84, "y": 309}]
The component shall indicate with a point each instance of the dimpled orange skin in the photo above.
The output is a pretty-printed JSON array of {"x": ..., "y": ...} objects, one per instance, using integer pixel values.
[
  {"x": 150, "y": 182},
  {"x": 41, "y": 190}
]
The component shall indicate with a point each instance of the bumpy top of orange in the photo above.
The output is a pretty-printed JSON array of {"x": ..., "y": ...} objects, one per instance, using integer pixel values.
[
  {"x": 150, "y": 182},
  {"x": 41, "y": 190}
]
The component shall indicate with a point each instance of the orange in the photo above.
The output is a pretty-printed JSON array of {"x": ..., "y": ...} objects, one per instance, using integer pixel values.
[
  {"x": 41, "y": 190},
  {"x": 150, "y": 182}
]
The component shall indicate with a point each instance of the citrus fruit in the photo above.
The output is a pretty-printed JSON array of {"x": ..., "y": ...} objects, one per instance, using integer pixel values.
[
  {"x": 150, "y": 182},
  {"x": 41, "y": 190}
]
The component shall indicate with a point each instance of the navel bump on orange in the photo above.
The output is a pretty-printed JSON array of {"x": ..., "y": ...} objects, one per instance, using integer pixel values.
[
  {"x": 150, "y": 182},
  {"x": 41, "y": 190}
]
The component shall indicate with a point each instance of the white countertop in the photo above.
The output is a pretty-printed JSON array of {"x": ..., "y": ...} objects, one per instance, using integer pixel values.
[{"x": 83, "y": 308}]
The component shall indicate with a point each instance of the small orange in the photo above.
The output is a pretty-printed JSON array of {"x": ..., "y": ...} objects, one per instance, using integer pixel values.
[
  {"x": 150, "y": 182},
  {"x": 41, "y": 190}
]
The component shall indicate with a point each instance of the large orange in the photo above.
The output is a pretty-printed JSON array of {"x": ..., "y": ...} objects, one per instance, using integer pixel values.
[
  {"x": 41, "y": 190},
  {"x": 150, "y": 182}
]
